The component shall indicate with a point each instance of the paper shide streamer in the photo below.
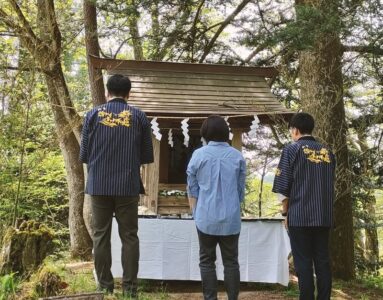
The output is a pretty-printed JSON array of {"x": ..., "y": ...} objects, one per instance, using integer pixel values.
[
  {"x": 230, "y": 133},
  {"x": 185, "y": 131},
  {"x": 170, "y": 138},
  {"x": 156, "y": 129},
  {"x": 253, "y": 127}
]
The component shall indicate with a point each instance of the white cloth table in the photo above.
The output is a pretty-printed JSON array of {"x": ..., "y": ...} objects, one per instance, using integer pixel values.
[{"x": 169, "y": 250}]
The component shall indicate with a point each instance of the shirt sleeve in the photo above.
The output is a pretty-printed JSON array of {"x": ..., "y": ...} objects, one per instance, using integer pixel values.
[
  {"x": 284, "y": 175},
  {"x": 242, "y": 180},
  {"x": 84, "y": 140},
  {"x": 146, "y": 143},
  {"x": 191, "y": 171}
]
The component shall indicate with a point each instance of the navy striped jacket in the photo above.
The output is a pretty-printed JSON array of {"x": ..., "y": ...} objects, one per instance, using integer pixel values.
[
  {"x": 305, "y": 175},
  {"x": 116, "y": 141}
]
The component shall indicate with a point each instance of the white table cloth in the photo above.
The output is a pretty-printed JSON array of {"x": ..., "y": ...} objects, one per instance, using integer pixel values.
[{"x": 169, "y": 250}]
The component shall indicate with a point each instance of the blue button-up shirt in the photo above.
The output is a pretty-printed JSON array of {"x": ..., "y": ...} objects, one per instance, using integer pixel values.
[
  {"x": 216, "y": 178},
  {"x": 116, "y": 140},
  {"x": 305, "y": 175}
]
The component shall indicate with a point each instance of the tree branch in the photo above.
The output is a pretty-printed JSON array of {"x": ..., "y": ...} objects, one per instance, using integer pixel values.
[
  {"x": 363, "y": 49},
  {"x": 226, "y": 22},
  {"x": 12, "y": 68},
  {"x": 365, "y": 121},
  {"x": 194, "y": 28},
  {"x": 25, "y": 24},
  {"x": 53, "y": 26},
  {"x": 173, "y": 36},
  {"x": 254, "y": 53}
]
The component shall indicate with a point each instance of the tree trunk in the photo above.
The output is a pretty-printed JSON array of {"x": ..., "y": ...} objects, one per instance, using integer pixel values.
[
  {"x": 81, "y": 243},
  {"x": 92, "y": 48},
  {"x": 371, "y": 247},
  {"x": 134, "y": 33},
  {"x": 320, "y": 73},
  {"x": 96, "y": 82},
  {"x": 67, "y": 124}
]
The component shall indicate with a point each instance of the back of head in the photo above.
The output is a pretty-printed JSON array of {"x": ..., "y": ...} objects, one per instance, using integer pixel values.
[
  {"x": 118, "y": 86},
  {"x": 214, "y": 128},
  {"x": 304, "y": 122}
]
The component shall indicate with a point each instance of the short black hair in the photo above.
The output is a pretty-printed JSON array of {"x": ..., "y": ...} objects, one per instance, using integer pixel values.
[
  {"x": 118, "y": 85},
  {"x": 304, "y": 122},
  {"x": 215, "y": 128}
]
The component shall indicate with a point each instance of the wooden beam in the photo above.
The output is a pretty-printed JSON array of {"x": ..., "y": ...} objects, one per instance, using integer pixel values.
[
  {"x": 151, "y": 178},
  {"x": 112, "y": 64},
  {"x": 237, "y": 139}
]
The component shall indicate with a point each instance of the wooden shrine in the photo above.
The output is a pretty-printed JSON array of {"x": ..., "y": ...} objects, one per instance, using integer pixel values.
[{"x": 172, "y": 92}]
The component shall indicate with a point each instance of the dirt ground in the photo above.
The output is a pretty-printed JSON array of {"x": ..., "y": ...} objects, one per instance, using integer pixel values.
[
  {"x": 191, "y": 290},
  {"x": 180, "y": 290}
]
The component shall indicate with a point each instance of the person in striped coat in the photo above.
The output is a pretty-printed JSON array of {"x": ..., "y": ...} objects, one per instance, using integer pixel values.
[
  {"x": 304, "y": 181},
  {"x": 116, "y": 141}
]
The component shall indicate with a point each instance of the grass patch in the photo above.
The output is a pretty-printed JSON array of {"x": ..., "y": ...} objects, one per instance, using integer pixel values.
[
  {"x": 75, "y": 280},
  {"x": 292, "y": 291},
  {"x": 8, "y": 286}
]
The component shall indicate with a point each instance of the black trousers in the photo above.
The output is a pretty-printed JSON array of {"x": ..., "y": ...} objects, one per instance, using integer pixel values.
[
  {"x": 207, "y": 256},
  {"x": 126, "y": 212},
  {"x": 310, "y": 246}
]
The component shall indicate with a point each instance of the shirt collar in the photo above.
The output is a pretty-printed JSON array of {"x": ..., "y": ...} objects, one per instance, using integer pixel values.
[
  {"x": 307, "y": 137},
  {"x": 121, "y": 100},
  {"x": 212, "y": 143}
]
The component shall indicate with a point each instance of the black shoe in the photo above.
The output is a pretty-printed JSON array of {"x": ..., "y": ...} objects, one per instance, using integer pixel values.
[{"x": 105, "y": 290}]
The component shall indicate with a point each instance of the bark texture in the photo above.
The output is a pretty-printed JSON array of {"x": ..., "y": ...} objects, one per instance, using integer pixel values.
[
  {"x": 320, "y": 74},
  {"x": 93, "y": 48},
  {"x": 96, "y": 82}
]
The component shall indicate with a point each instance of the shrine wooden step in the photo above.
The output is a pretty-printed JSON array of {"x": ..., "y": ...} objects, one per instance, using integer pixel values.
[
  {"x": 173, "y": 201},
  {"x": 172, "y": 186},
  {"x": 173, "y": 210}
]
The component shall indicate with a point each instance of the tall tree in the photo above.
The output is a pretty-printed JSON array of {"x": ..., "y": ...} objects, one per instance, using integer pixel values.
[
  {"x": 321, "y": 88},
  {"x": 96, "y": 81},
  {"x": 93, "y": 48},
  {"x": 45, "y": 47}
]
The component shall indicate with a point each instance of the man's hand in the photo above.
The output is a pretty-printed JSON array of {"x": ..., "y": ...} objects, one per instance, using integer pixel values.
[
  {"x": 285, "y": 209},
  {"x": 192, "y": 203},
  {"x": 285, "y": 223},
  {"x": 285, "y": 206}
]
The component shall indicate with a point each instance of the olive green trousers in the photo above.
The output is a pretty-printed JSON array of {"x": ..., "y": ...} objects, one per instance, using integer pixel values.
[{"x": 125, "y": 209}]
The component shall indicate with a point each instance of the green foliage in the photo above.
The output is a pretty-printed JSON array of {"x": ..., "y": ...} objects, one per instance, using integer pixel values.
[
  {"x": 292, "y": 291},
  {"x": 269, "y": 204},
  {"x": 8, "y": 286},
  {"x": 311, "y": 23},
  {"x": 39, "y": 181},
  {"x": 372, "y": 281}
]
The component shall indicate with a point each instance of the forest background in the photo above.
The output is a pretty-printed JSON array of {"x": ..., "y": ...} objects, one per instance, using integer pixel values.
[{"x": 329, "y": 58}]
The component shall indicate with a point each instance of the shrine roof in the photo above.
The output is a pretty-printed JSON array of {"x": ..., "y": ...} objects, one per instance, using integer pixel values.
[{"x": 164, "y": 89}]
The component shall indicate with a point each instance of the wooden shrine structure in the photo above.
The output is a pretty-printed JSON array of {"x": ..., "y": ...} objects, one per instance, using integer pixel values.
[{"x": 172, "y": 92}]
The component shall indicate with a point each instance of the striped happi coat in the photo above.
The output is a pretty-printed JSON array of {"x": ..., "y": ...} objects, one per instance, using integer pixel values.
[
  {"x": 116, "y": 141},
  {"x": 305, "y": 175}
]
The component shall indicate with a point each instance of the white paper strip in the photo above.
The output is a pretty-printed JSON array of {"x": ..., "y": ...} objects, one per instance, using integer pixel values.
[
  {"x": 170, "y": 138},
  {"x": 253, "y": 127},
  {"x": 185, "y": 131},
  {"x": 230, "y": 133},
  {"x": 156, "y": 129}
]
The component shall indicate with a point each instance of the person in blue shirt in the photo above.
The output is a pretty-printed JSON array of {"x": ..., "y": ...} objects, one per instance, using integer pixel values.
[
  {"x": 116, "y": 141},
  {"x": 216, "y": 177},
  {"x": 304, "y": 181}
]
